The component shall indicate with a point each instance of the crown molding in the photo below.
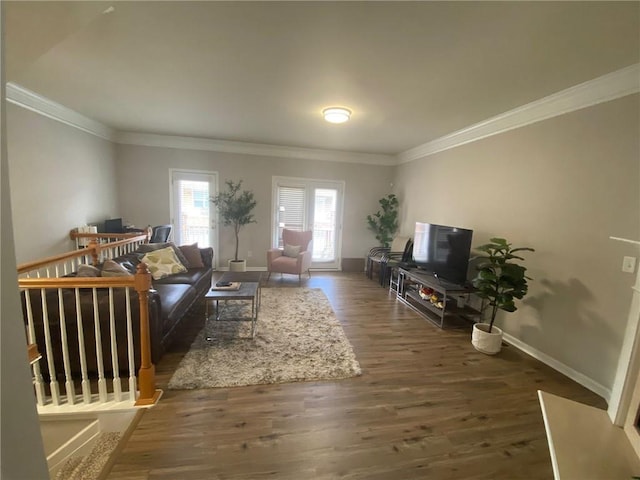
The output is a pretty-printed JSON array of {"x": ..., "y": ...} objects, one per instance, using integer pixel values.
[
  {"x": 196, "y": 143},
  {"x": 36, "y": 103},
  {"x": 608, "y": 87}
]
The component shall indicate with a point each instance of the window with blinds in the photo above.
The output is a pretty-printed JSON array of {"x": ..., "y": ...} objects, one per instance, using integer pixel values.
[{"x": 291, "y": 209}]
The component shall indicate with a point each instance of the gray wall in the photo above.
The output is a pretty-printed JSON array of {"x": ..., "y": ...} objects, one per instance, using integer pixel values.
[
  {"x": 22, "y": 452},
  {"x": 561, "y": 186},
  {"x": 61, "y": 178},
  {"x": 143, "y": 188}
]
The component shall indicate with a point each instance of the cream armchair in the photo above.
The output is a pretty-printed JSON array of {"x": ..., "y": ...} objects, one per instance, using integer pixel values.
[{"x": 295, "y": 257}]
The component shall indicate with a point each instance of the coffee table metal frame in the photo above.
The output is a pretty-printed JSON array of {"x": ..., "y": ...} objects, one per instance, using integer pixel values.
[{"x": 247, "y": 291}]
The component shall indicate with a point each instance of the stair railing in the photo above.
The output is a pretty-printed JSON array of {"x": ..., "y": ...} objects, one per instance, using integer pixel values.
[{"x": 46, "y": 278}]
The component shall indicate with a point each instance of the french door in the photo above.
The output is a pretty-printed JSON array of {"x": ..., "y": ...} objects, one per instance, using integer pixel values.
[
  {"x": 303, "y": 204},
  {"x": 192, "y": 213}
]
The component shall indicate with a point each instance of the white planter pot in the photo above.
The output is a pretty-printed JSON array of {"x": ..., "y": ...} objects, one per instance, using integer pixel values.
[
  {"x": 237, "y": 265},
  {"x": 485, "y": 342}
]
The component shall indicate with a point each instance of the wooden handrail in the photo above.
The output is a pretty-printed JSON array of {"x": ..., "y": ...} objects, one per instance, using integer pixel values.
[
  {"x": 74, "y": 234},
  {"x": 93, "y": 249},
  {"x": 78, "y": 282}
]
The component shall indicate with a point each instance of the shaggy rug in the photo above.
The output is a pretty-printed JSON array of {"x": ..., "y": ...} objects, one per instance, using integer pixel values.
[{"x": 298, "y": 338}]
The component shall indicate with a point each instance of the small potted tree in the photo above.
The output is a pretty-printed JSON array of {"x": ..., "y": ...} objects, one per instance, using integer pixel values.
[
  {"x": 499, "y": 282},
  {"x": 235, "y": 207},
  {"x": 385, "y": 223}
]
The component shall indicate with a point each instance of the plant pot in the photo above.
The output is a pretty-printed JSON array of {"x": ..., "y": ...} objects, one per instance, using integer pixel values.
[
  {"x": 485, "y": 342},
  {"x": 237, "y": 265}
]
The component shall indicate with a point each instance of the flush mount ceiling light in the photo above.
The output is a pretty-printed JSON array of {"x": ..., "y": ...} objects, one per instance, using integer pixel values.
[{"x": 336, "y": 114}]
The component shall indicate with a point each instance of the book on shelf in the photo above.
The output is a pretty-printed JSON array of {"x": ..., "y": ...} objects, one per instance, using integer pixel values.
[{"x": 229, "y": 286}]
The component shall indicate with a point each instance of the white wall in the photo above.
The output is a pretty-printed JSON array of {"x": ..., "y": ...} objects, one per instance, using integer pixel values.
[
  {"x": 61, "y": 177},
  {"x": 21, "y": 450},
  {"x": 143, "y": 188},
  {"x": 561, "y": 186}
]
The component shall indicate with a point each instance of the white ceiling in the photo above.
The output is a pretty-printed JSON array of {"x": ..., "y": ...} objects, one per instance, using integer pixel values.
[{"x": 261, "y": 72}]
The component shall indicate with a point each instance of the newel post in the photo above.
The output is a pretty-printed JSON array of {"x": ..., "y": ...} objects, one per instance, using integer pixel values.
[
  {"x": 147, "y": 373},
  {"x": 93, "y": 247}
]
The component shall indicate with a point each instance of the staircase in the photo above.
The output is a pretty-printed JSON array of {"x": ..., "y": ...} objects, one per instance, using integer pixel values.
[{"x": 79, "y": 446}]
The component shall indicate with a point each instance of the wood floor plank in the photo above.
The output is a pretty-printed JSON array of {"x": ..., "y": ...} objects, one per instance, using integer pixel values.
[{"x": 426, "y": 406}]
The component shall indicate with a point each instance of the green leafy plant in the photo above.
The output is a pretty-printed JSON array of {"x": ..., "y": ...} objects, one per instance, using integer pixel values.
[
  {"x": 384, "y": 222},
  {"x": 499, "y": 280},
  {"x": 235, "y": 208}
]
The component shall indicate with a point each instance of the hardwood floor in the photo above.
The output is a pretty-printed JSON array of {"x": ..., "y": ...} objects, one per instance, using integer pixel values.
[{"x": 426, "y": 406}]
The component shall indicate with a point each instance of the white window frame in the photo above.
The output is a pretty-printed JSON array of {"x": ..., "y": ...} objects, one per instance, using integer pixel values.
[
  {"x": 197, "y": 175},
  {"x": 310, "y": 184}
]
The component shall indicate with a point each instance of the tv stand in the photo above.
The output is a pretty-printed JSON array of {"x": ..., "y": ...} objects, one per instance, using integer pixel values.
[{"x": 444, "y": 310}]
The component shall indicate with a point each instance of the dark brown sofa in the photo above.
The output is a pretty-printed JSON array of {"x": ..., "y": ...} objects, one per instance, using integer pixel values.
[{"x": 169, "y": 300}]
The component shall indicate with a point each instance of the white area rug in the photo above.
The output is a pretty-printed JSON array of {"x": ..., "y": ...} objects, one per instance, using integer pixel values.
[{"x": 298, "y": 338}]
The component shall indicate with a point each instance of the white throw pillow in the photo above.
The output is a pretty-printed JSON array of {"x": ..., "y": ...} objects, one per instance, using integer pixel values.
[
  {"x": 291, "y": 251},
  {"x": 162, "y": 263}
]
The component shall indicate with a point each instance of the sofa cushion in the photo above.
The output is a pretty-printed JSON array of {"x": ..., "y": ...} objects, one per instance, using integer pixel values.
[
  {"x": 193, "y": 256},
  {"x": 162, "y": 263},
  {"x": 175, "y": 300},
  {"x": 200, "y": 278}
]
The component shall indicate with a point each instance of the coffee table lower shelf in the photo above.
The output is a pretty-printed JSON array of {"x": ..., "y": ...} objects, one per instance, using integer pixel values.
[{"x": 248, "y": 291}]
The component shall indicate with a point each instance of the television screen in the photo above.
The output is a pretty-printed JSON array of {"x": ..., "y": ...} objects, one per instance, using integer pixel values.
[
  {"x": 113, "y": 226},
  {"x": 442, "y": 250}
]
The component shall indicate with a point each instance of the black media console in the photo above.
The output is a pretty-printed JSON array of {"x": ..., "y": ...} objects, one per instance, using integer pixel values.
[{"x": 441, "y": 302}]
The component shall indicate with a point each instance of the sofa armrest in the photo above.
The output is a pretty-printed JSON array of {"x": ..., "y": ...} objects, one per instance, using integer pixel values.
[{"x": 207, "y": 256}]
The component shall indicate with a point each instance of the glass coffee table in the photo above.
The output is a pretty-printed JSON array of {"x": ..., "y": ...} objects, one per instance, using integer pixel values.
[{"x": 248, "y": 292}]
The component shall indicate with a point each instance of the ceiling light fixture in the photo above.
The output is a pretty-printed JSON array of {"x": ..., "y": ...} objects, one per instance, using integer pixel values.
[{"x": 336, "y": 114}]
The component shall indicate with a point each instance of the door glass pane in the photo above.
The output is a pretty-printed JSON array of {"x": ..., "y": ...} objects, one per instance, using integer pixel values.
[
  {"x": 193, "y": 213},
  {"x": 324, "y": 225}
]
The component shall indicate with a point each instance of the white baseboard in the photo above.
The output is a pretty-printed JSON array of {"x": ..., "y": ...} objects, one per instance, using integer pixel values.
[{"x": 582, "y": 379}]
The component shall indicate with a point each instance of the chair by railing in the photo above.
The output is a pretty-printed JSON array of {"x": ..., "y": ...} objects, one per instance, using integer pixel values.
[{"x": 59, "y": 296}]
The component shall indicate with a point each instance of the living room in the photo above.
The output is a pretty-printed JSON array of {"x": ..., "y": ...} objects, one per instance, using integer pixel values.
[{"x": 562, "y": 184}]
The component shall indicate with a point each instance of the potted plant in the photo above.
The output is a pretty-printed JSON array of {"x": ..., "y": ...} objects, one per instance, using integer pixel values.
[
  {"x": 235, "y": 209},
  {"x": 499, "y": 282},
  {"x": 385, "y": 223}
]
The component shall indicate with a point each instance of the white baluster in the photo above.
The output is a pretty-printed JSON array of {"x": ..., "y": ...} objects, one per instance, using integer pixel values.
[
  {"x": 117, "y": 387},
  {"x": 102, "y": 383},
  {"x": 31, "y": 335},
  {"x": 133, "y": 388},
  {"x": 86, "y": 385},
  {"x": 53, "y": 382},
  {"x": 68, "y": 384}
]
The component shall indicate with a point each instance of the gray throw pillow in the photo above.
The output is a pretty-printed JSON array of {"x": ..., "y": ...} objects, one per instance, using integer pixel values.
[
  {"x": 113, "y": 269},
  {"x": 88, "y": 271},
  {"x": 291, "y": 251},
  {"x": 192, "y": 254}
]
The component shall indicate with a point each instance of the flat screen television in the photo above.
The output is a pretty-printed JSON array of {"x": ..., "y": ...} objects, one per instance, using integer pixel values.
[
  {"x": 442, "y": 251},
  {"x": 113, "y": 225}
]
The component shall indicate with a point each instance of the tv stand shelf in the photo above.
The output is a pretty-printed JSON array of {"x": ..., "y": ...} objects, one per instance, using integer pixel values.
[{"x": 450, "y": 307}]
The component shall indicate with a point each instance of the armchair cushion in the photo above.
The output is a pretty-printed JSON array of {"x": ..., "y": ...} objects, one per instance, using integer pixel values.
[{"x": 291, "y": 251}]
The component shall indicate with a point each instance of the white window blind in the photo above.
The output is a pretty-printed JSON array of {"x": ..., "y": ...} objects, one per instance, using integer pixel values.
[{"x": 291, "y": 209}]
